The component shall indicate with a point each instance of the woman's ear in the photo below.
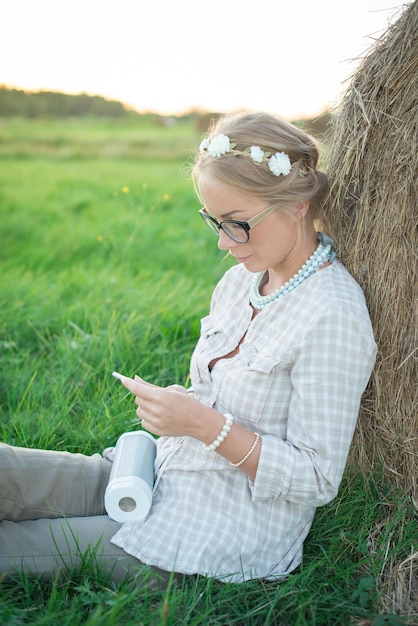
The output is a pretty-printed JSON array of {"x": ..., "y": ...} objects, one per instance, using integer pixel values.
[{"x": 301, "y": 209}]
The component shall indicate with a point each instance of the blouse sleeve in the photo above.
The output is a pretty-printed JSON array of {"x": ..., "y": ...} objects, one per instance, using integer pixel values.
[{"x": 329, "y": 374}]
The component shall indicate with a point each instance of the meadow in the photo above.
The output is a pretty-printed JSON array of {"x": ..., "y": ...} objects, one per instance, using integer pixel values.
[{"x": 105, "y": 265}]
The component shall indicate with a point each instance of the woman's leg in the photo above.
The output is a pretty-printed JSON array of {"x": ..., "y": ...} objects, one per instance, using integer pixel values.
[
  {"x": 47, "y": 484},
  {"x": 55, "y": 548},
  {"x": 49, "y": 548},
  {"x": 52, "y": 507}
]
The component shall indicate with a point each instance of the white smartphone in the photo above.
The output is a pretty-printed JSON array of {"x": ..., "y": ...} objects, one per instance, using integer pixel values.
[{"x": 118, "y": 376}]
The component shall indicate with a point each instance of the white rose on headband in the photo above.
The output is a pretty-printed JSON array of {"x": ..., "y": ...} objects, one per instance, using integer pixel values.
[
  {"x": 219, "y": 145},
  {"x": 280, "y": 163},
  {"x": 204, "y": 145},
  {"x": 257, "y": 154}
]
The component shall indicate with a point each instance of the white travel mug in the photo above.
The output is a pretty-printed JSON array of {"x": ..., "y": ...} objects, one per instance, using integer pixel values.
[{"x": 128, "y": 495}]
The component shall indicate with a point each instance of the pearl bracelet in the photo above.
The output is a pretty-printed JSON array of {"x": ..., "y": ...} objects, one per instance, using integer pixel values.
[
  {"x": 250, "y": 451},
  {"x": 225, "y": 430}
]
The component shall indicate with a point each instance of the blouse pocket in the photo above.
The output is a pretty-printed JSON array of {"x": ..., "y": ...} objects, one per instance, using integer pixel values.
[
  {"x": 210, "y": 326},
  {"x": 211, "y": 343},
  {"x": 248, "y": 388}
]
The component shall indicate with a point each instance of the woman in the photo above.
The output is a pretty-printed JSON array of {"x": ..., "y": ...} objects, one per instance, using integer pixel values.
[{"x": 277, "y": 377}]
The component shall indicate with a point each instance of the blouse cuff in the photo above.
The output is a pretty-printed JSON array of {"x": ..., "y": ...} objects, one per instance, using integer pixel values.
[{"x": 273, "y": 479}]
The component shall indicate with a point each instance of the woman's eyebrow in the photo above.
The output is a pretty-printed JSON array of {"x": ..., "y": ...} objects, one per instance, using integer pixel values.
[{"x": 226, "y": 215}]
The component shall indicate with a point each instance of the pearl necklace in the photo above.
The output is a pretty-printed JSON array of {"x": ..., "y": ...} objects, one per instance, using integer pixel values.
[{"x": 322, "y": 254}]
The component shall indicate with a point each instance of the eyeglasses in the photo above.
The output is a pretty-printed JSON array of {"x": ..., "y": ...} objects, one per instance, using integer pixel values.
[{"x": 236, "y": 230}]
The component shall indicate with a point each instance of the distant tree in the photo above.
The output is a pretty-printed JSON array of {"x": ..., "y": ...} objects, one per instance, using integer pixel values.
[{"x": 17, "y": 102}]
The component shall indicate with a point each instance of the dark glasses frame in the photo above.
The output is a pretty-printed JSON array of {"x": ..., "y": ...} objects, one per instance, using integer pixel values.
[{"x": 216, "y": 226}]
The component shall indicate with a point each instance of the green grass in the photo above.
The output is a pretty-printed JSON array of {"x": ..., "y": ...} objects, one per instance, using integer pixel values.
[
  {"x": 105, "y": 265},
  {"x": 139, "y": 137}
]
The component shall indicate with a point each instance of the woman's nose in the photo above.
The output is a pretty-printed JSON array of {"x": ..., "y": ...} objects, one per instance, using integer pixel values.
[{"x": 225, "y": 242}]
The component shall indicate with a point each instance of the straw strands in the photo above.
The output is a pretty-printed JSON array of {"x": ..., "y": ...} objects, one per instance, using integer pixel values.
[{"x": 373, "y": 206}]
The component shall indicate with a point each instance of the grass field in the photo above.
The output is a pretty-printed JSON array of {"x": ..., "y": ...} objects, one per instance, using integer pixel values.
[{"x": 105, "y": 264}]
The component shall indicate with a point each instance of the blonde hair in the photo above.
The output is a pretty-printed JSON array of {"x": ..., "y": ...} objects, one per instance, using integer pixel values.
[{"x": 272, "y": 134}]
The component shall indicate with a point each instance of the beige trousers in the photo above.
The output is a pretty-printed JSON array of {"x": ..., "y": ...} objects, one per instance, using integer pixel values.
[{"x": 52, "y": 516}]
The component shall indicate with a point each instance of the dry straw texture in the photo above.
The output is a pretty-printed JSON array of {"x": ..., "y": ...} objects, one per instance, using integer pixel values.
[
  {"x": 374, "y": 211},
  {"x": 373, "y": 206}
]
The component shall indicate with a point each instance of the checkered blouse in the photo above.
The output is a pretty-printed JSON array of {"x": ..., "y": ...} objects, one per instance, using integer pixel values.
[{"x": 297, "y": 380}]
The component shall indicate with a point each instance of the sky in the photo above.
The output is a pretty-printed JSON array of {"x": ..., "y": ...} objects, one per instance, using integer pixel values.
[{"x": 293, "y": 58}]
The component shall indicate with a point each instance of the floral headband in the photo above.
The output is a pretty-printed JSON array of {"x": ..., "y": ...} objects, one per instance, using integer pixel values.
[{"x": 279, "y": 163}]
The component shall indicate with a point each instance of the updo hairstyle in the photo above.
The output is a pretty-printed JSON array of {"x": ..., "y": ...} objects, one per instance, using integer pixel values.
[{"x": 272, "y": 134}]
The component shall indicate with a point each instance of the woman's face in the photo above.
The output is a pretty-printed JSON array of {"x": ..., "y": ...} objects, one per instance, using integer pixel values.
[{"x": 275, "y": 243}]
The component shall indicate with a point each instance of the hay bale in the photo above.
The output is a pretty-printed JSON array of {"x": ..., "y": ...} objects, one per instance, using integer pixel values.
[{"x": 373, "y": 206}]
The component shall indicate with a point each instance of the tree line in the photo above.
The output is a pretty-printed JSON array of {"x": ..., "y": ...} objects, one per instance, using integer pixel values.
[
  {"x": 38, "y": 104},
  {"x": 17, "y": 102}
]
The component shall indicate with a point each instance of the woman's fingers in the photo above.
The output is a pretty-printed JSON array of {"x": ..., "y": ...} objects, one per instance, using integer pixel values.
[
  {"x": 137, "y": 386},
  {"x": 138, "y": 379}
]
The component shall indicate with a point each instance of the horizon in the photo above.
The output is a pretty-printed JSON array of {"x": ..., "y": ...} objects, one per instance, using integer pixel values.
[{"x": 185, "y": 113}]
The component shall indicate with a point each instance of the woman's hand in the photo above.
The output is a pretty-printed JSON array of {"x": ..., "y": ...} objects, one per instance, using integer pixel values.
[
  {"x": 169, "y": 411},
  {"x": 173, "y": 412}
]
